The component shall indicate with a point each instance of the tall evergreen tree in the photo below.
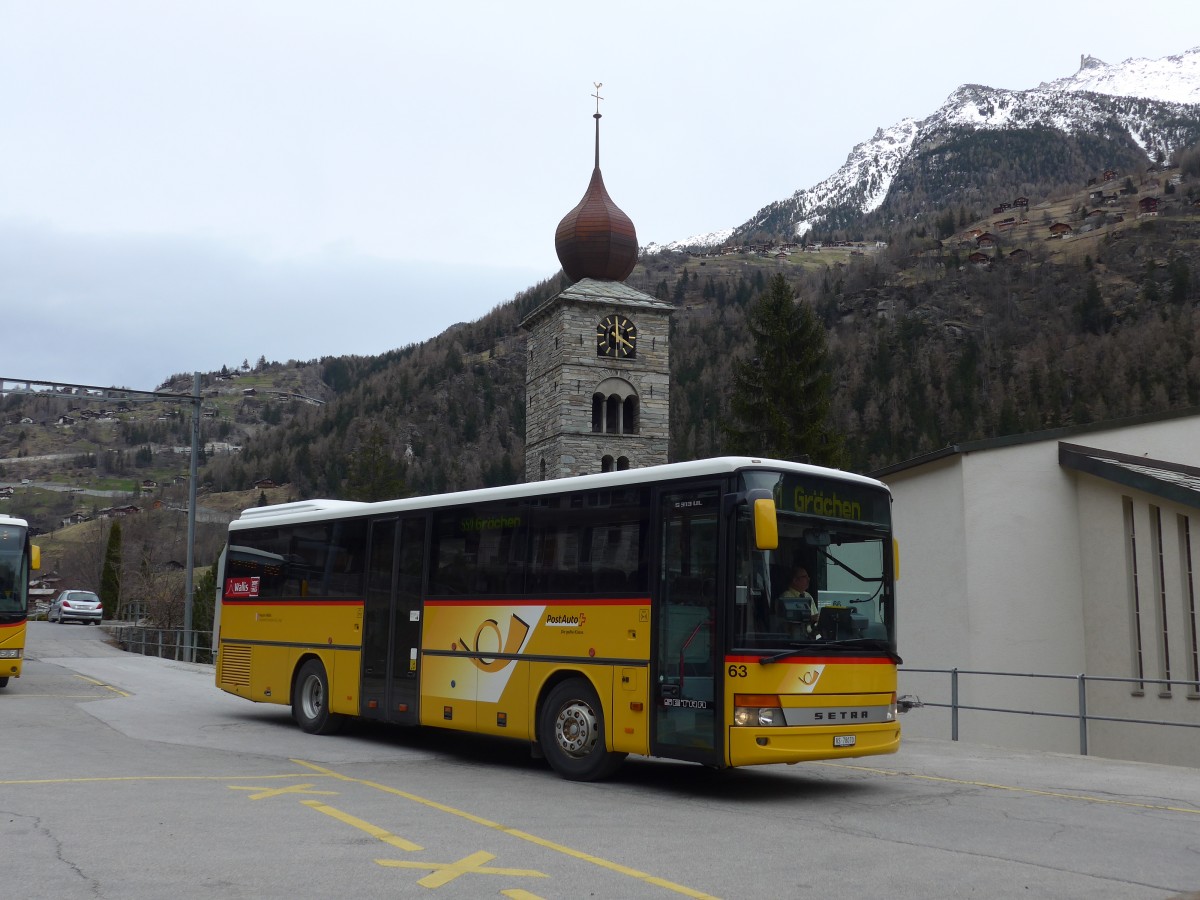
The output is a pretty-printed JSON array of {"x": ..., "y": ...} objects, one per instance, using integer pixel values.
[
  {"x": 781, "y": 395},
  {"x": 374, "y": 473},
  {"x": 110, "y": 574}
]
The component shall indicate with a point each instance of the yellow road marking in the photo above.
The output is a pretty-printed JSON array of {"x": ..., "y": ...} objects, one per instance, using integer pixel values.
[
  {"x": 107, "y": 687},
  {"x": 268, "y": 793},
  {"x": 518, "y": 894},
  {"x": 1060, "y": 795},
  {"x": 522, "y": 835},
  {"x": 373, "y": 830},
  {"x": 444, "y": 873}
]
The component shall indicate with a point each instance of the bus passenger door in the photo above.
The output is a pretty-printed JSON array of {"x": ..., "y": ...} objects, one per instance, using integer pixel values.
[
  {"x": 686, "y": 698},
  {"x": 392, "y": 621}
]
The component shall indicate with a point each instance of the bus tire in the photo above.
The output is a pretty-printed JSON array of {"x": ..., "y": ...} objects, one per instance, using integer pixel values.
[
  {"x": 4, "y": 681},
  {"x": 571, "y": 733},
  {"x": 310, "y": 700}
]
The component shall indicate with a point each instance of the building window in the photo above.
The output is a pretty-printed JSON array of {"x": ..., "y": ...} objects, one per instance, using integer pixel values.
[
  {"x": 1188, "y": 579},
  {"x": 606, "y": 463},
  {"x": 612, "y": 415},
  {"x": 1131, "y": 568},
  {"x": 1160, "y": 594},
  {"x": 622, "y": 463},
  {"x": 629, "y": 415}
]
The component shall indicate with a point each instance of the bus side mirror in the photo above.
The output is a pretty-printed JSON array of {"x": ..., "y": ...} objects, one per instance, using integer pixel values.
[
  {"x": 766, "y": 526},
  {"x": 35, "y": 556}
]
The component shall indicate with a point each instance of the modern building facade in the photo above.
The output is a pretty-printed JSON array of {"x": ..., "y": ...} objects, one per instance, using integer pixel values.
[{"x": 1059, "y": 553}]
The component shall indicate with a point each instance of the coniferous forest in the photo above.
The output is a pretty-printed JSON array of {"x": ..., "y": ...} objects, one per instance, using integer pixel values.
[
  {"x": 925, "y": 348},
  {"x": 944, "y": 318}
]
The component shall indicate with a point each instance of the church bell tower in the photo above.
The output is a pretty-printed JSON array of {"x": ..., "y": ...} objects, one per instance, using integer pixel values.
[{"x": 597, "y": 379}]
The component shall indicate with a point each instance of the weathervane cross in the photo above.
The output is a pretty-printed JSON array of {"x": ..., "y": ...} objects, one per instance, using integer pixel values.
[{"x": 598, "y": 84}]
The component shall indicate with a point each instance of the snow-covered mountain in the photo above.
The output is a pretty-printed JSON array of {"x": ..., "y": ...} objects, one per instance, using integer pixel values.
[
  {"x": 1155, "y": 102},
  {"x": 1175, "y": 79}
]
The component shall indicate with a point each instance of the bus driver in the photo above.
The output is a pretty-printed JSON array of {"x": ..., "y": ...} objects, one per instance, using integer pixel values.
[{"x": 799, "y": 606}]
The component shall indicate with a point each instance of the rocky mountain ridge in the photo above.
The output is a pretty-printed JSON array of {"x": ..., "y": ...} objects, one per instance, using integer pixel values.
[{"x": 1152, "y": 105}]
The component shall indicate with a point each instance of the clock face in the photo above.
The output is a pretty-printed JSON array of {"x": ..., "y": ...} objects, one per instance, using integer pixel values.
[{"x": 616, "y": 337}]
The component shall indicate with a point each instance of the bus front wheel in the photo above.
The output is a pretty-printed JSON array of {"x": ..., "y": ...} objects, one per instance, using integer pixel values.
[
  {"x": 572, "y": 733},
  {"x": 4, "y": 681},
  {"x": 310, "y": 700}
]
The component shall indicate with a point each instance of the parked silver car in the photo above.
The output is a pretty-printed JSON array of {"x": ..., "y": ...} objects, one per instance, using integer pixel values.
[{"x": 82, "y": 606}]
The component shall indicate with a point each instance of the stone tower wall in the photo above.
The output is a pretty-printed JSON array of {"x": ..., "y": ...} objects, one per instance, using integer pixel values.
[{"x": 562, "y": 375}]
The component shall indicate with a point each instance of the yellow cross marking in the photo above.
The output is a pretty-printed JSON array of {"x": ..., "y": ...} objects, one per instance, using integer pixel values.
[
  {"x": 373, "y": 830},
  {"x": 444, "y": 873},
  {"x": 518, "y": 894},
  {"x": 267, "y": 793},
  {"x": 513, "y": 832}
]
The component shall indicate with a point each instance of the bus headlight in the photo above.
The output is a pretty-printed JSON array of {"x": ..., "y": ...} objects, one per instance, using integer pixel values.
[
  {"x": 10, "y": 654},
  {"x": 757, "y": 710}
]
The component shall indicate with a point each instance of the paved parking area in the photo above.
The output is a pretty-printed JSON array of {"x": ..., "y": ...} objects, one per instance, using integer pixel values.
[{"x": 129, "y": 777}]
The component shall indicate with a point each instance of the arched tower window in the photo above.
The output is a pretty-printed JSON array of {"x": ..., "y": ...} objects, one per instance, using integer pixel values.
[
  {"x": 622, "y": 463},
  {"x": 612, "y": 414},
  {"x": 615, "y": 407},
  {"x": 606, "y": 463},
  {"x": 629, "y": 415}
]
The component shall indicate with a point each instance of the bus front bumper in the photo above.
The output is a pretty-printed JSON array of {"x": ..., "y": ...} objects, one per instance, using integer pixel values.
[{"x": 753, "y": 746}]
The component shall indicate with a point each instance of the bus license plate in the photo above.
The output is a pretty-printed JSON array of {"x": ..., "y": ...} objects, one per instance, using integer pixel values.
[{"x": 843, "y": 740}]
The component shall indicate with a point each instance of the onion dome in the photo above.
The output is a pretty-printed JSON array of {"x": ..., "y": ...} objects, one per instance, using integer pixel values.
[{"x": 596, "y": 239}]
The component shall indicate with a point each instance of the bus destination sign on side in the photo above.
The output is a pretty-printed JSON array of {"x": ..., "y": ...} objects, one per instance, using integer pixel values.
[{"x": 241, "y": 587}]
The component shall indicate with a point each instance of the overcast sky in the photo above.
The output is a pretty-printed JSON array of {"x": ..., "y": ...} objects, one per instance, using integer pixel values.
[{"x": 187, "y": 185}]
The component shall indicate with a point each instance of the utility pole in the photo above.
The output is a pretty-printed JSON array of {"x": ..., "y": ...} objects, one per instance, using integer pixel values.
[{"x": 189, "y": 602}]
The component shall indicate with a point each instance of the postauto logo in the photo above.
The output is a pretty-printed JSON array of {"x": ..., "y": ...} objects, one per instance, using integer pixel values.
[{"x": 565, "y": 620}]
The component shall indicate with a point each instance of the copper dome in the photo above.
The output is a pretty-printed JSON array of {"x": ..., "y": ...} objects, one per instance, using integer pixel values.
[{"x": 596, "y": 239}]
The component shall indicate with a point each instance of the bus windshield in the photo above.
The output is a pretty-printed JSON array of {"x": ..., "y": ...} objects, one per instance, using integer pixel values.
[
  {"x": 13, "y": 574},
  {"x": 829, "y": 582}
]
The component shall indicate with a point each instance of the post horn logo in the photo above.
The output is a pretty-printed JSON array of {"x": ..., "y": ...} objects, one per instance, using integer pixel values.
[{"x": 517, "y": 630}]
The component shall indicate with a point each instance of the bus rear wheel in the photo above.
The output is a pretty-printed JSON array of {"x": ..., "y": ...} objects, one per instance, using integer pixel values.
[
  {"x": 571, "y": 733},
  {"x": 310, "y": 700},
  {"x": 4, "y": 681}
]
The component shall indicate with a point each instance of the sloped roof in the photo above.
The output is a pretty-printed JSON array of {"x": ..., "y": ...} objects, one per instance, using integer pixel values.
[
  {"x": 602, "y": 293},
  {"x": 1032, "y": 437},
  {"x": 1170, "y": 481}
]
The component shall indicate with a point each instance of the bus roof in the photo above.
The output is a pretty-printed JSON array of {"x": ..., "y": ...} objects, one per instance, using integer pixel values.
[
  {"x": 12, "y": 520},
  {"x": 309, "y": 510}
]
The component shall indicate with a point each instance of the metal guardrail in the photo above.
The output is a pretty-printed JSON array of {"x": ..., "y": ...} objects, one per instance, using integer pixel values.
[
  {"x": 171, "y": 643},
  {"x": 1081, "y": 713},
  {"x": 166, "y": 643}
]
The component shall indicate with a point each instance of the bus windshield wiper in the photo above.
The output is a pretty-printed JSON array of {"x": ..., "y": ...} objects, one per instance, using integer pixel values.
[
  {"x": 866, "y": 644},
  {"x": 835, "y": 646},
  {"x": 774, "y": 657}
]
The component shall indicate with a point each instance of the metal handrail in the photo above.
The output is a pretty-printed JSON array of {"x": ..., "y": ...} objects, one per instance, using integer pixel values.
[
  {"x": 179, "y": 644},
  {"x": 1081, "y": 714}
]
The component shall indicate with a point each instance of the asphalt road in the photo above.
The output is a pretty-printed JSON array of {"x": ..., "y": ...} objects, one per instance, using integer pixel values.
[{"x": 130, "y": 777}]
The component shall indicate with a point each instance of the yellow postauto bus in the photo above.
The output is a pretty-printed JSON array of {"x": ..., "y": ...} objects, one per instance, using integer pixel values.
[
  {"x": 17, "y": 558},
  {"x": 644, "y": 611}
]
